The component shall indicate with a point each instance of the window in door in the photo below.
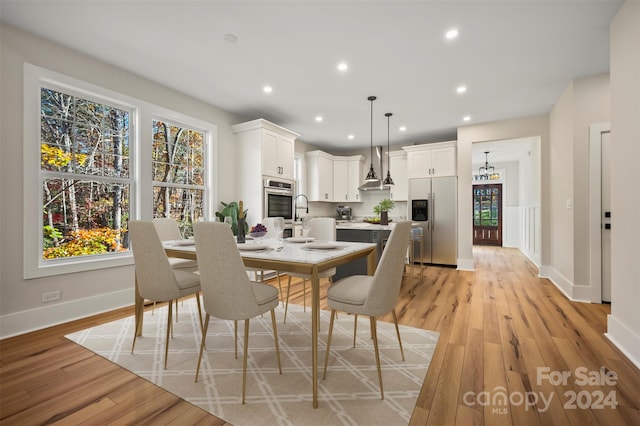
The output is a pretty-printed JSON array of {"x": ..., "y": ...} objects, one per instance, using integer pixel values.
[{"x": 487, "y": 214}]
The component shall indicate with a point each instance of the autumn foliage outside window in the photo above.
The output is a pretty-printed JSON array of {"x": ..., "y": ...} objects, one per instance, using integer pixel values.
[
  {"x": 178, "y": 165},
  {"x": 84, "y": 147}
]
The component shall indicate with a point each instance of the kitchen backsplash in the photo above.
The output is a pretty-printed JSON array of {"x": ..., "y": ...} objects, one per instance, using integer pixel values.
[{"x": 361, "y": 209}]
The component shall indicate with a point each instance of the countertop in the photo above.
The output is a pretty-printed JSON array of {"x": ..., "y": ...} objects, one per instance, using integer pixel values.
[{"x": 363, "y": 225}]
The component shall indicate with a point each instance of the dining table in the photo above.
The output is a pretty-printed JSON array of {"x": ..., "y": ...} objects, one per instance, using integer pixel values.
[{"x": 296, "y": 255}]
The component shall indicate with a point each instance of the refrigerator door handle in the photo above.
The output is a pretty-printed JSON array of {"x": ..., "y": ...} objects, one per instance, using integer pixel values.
[{"x": 432, "y": 208}]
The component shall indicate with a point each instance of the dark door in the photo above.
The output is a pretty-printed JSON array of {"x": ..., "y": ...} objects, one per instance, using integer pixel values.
[{"x": 487, "y": 215}]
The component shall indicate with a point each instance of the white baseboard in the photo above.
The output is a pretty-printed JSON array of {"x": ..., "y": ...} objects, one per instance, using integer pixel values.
[
  {"x": 575, "y": 293},
  {"x": 54, "y": 314},
  {"x": 465, "y": 265},
  {"x": 624, "y": 338}
]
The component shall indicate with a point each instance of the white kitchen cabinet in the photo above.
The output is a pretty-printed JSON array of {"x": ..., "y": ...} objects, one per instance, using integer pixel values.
[
  {"x": 263, "y": 150},
  {"x": 319, "y": 176},
  {"x": 271, "y": 144},
  {"x": 333, "y": 178},
  {"x": 431, "y": 160},
  {"x": 340, "y": 180},
  {"x": 400, "y": 190},
  {"x": 354, "y": 177}
]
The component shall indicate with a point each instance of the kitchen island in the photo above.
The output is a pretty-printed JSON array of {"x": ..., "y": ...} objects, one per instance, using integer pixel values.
[{"x": 362, "y": 232}]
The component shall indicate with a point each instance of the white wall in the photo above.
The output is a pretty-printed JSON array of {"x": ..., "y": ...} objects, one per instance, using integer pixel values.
[
  {"x": 624, "y": 321},
  {"x": 583, "y": 103},
  {"x": 21, "y": 307}
]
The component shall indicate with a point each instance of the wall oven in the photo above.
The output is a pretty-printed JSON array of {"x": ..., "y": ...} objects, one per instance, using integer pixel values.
[{"x": 278, "y": 202}]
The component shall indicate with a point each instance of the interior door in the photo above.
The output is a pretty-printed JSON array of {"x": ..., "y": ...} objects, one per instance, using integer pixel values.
[
  {"x": 487, "y": 215},
  {"x": 606, "y": 218}
]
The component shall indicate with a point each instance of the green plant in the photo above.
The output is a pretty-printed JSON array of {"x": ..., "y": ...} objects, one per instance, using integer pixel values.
[
  {"x": 231, "y": 209},
  {"x": 383, "y": 206}
]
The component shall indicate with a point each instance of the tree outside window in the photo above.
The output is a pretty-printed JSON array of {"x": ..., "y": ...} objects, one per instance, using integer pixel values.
[
  {"x": 178, "y": 173},
  {"x": 84, "y": 160}
]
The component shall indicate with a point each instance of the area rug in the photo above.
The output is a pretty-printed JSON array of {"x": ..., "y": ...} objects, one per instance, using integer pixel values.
[{"x": 349, "y": 395}]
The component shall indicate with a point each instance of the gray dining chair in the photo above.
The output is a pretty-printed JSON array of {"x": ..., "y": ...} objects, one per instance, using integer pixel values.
[
  {"x": 156, "y": 279},
  {"x": 271, "y": 233},
  {"x": 169, "y": 230},
  {"x": 375, "y": 295},
  {"x": 324, "y": 229},
  {"x": 226, "y": 289}
]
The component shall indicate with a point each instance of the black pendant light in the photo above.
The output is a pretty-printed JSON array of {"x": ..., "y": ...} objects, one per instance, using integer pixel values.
[
  {"x": 371, "y": 176},
  {"x": 486, "y": 171},
  {"x": 388, "y": 181}
]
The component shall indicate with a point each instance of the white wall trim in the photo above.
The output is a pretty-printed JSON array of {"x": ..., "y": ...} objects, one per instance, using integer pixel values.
[
  {"x": 35, "y": 319},
  {"x": 624, "y": 338},
  {"x": 465, "y": 265},
  {"x": 575, "y": 293},
  {"x": 595, "y": 202}
]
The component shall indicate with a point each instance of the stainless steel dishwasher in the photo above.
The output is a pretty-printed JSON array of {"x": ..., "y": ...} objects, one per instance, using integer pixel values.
[{"x": 359, "y": 266}]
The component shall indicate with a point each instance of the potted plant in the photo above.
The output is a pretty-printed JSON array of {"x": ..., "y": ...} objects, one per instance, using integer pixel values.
[
  {"x": 231, "y": 210},
  {"x": 382, "y": 210}
]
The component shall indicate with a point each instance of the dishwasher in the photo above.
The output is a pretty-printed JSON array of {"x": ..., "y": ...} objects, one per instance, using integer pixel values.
[{"x": 359, "y": 266}]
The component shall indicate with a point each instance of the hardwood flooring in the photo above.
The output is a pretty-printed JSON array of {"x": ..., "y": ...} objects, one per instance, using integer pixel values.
[{"x": 497, "y": 326}]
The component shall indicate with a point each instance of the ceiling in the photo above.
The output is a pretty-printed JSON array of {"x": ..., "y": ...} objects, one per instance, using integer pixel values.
[{"x": 515, "y": 57}]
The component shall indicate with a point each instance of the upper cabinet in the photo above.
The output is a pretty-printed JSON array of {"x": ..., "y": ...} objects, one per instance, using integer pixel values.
[
  {"x": 398, "y": 168},
  {"x": 332, "y": 178},
  {"x": 272, "y": 144},
  {"x": 431, "y": 160}
]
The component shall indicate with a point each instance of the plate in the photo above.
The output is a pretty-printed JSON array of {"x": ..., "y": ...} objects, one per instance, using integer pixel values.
[
  {"x": 300, "y": 239},
  {"x": 323, "y": 245},
  {"x": 187, "y": 242},
  {"x": 252, "y": 247}
]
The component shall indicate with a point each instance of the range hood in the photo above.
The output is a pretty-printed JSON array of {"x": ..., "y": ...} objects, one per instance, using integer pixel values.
[{"x": 375, "y": 185}]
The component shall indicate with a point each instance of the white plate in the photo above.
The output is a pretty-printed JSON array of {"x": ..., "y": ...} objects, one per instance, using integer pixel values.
[
  {"x": 323, "y": 245},
  {"x": 300, "y": 239},
  {"x": 252, "y": 247},
  {"x": 187, "y": 242}
]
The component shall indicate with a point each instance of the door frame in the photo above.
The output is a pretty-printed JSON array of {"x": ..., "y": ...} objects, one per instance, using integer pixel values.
[{"x": 595, "y": 209}]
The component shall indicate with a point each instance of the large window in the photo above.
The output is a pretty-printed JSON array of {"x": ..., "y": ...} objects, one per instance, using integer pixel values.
[
  {"x": 84, "y": 176},
  {"x": 178, "y": 173},
  {"x": 93, "y": 160}
]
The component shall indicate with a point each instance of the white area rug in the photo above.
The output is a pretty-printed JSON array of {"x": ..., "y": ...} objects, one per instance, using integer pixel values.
[{"x": 349, "y": 395}]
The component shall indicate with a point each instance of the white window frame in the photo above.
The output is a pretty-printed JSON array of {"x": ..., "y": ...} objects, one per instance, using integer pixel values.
[{"x": 140, "y": 189}]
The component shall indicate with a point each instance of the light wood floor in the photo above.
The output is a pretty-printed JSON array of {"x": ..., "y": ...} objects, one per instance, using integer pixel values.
[{"x": 497, "y": 324}]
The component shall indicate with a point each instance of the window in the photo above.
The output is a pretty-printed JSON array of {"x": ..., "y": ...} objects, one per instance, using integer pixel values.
[
  {"x": 84, "y": 175},
  {"x": 178, "y": 162},
  {"x": 93, "y": 159}
]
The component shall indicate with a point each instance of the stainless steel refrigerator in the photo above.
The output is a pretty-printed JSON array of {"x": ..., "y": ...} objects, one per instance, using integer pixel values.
[{"x": 433, "y": 205}]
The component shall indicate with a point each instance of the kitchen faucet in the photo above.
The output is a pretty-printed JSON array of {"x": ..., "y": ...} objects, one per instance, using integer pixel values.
[{"x": 295, "y": 204}]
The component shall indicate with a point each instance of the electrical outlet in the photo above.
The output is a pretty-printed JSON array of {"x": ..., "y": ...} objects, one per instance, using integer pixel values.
[{"x": 50, "y": 297}]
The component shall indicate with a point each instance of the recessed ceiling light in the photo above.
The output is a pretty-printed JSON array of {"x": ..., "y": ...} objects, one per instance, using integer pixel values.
[
  {"x": 451, "y": 34},
  {"x": 402, "y": 128},
  {"x": 466, "y": 118},
  {"x": 350, "y": 136},
  {"x": 231, "y": 38},
  {"x": 267, "y": 89},
  {"x": 461, "y": 89},
  {"x": 319, "y": 118},
  {"x": 342, "y": 66}
]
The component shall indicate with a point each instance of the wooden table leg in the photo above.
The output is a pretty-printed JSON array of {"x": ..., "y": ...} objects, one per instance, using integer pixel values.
[{"x": 372, "y": 262}]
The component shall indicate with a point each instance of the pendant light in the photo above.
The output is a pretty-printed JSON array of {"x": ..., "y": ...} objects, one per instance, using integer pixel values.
[
  {"x": 388, "y": 181},
  {"x": 486, "y": 171},
  {"x": 371, "y": 176}
]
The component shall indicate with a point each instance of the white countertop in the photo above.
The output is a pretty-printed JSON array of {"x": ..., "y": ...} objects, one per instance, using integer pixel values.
[{"x": 364, "y": 226}]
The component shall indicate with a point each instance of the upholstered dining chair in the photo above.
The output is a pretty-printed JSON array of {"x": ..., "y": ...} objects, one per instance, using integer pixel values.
[
  {"x": 324, "y": 229},
  {"x": 156, "y": 279},
  {"x": 168, "y": 230},
  {"x": 372, "y": 295},
  {"x": 271, "y": 233},
  {"x": 226, "y": 289}
]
